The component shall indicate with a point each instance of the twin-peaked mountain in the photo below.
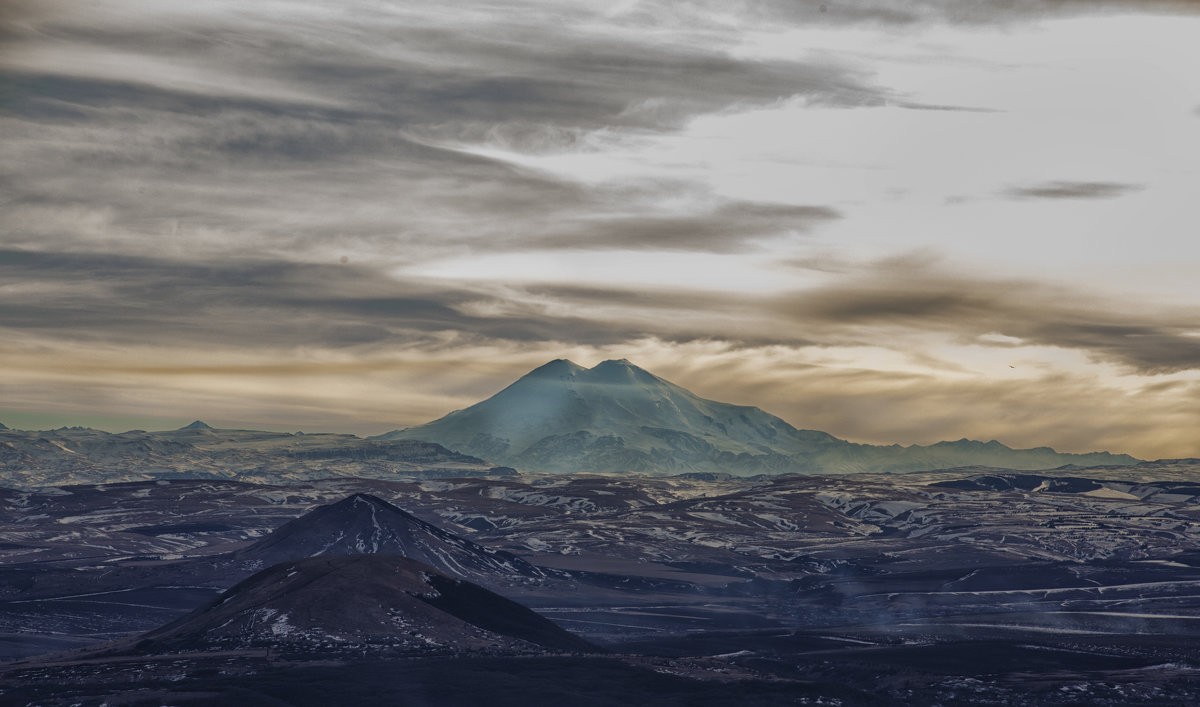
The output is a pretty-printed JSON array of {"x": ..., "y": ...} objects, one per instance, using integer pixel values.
[
  {"x": 618, "y": 418},
  {"x": 561, "y": 417}
]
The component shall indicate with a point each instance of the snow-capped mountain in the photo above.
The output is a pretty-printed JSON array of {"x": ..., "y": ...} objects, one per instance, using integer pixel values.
[
  {"x": 617, "y": 417},
  {"x": 559, "y": 418}
]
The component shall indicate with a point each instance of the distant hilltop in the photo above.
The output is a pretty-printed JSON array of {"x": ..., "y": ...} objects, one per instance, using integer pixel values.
[
  {"x": 619, "y": 418},
  {"x": 78, "y": 455}
]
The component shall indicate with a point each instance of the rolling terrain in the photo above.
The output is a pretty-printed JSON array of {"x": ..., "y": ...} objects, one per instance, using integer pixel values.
[
  {"x": 332, "y": 604},
  {"x": 973, "y": 586},
  {"x": 36, "y": 459},
  {"x": 722, "y": 555}
]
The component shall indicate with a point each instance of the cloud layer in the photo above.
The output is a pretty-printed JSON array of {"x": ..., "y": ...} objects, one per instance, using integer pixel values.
[{"x": 206, "y": 205}]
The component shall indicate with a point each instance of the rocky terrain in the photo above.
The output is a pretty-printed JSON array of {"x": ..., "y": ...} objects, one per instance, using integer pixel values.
[
  {"x": 971, "y": 586},
  {"x": 35, "y": 459},
  {"x": 724, "y": 555},
  {"x": 331, "y": 604},
  {"x": 365, "y": 524}
]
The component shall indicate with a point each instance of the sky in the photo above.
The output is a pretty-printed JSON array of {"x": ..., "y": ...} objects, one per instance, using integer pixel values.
[{"x": 897, "y": 221}]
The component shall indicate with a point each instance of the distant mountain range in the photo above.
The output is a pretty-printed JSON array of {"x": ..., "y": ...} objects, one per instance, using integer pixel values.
[
  {"x": 619, "y": 418},
  {"x": 614, "y": 418},
  {"x": 76, "y": 455}
]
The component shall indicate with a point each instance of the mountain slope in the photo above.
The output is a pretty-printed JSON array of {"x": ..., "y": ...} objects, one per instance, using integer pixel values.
[
  {"x": 617, "y": 418},
  {"x": 365, "y": 524},
  {"x": 358, "y": 601}
]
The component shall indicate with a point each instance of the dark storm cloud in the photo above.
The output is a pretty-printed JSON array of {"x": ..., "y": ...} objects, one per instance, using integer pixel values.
[
  {"x": 15, "y": 14},
  {"x": 679, "y": 315},
  {"x": 670, "y": 300},
  {"x": 728, "y": 228},
  {"x": 576, "y": 86},
  {"x": 898, "y": 296},
  {"x": 903, "y": 12},
  {"x": 946, "y": 108},
  {"x": 130, "y": 299},
  {"x": 185, "y": 190},
  {"x": 448, "y": 75},
  {"x": 269, "y": 181},
  {"x": 255, "y": 303},
  {"x": 354, "y": 179},
  {"x": 259, "y": 304},
  {"x": 1073, "y": 190},
  {"x": 892, "y": 301},
  {"x": 315, "y": 130}
]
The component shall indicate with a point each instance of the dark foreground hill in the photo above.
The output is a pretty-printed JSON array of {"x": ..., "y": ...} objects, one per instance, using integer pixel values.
[
  {"x": 618, "y": 418},
  {"x": 353, "y": 602},
  {"x": 366, "y": 524},
  {"x": 980, "y": 586}
]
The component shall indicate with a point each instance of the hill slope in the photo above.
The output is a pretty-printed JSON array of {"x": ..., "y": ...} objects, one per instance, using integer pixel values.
[
  {"x": 357, "y": 601},
  {"x": 617, "y": 418},
  {"x": 365, "y": 524}
]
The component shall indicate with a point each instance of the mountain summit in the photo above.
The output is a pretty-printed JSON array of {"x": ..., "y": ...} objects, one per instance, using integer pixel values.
[
  {"x": 366, "y": 524},
  {"x": 617, "y": 417}
]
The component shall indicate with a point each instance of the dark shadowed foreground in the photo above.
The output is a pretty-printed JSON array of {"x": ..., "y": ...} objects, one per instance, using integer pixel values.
[{"x": 971, "y": 586}]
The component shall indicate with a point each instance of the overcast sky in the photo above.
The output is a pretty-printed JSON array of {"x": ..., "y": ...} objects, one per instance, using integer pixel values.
[{"x": 891, "y": 220}]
